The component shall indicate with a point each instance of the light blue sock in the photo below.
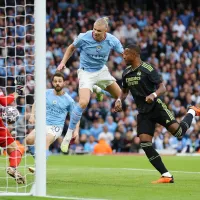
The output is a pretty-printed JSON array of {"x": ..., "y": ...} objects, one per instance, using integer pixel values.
[
  {"x": 106, "y": 93},
  {"x": 47, "y": 153},
  {"x": 31, "y": 149},
  {"x": 32, "y": 152},
  {"x": 75, "y": 116}
]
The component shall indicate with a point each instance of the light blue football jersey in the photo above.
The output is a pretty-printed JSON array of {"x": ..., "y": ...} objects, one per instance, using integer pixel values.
[
  {"x": 94, "y": 54},
  {"x": 57, "y": 108}
]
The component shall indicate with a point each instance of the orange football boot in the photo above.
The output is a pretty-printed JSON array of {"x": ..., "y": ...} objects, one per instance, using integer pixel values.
[
  {"x": 164, "y": 179},
  {"x": 196, "y": 109}
]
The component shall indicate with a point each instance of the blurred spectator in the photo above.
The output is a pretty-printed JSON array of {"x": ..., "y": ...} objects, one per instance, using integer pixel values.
[
  {"x": 117, "y": 143},
  {"x": 106, "y": 135},
  {"x": 89, "y": 146},
  {"x": 169, "y": 40},
  {"x": 102, "y": 147}
]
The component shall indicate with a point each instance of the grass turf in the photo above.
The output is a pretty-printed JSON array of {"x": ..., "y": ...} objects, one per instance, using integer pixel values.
[{"x": 114, "y": 177}]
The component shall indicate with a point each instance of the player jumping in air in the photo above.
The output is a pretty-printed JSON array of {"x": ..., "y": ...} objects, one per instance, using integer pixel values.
[
  {"x": 9, "y": 115},
  {"x": 95, "y": 46},
  {"x": 58, "y": 104},
  {"x": 146, "y": 86}
]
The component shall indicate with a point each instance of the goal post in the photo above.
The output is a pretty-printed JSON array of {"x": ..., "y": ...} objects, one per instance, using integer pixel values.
[
  {"x": 40, "y": 96},
  {"x": 23, "y": 36}
]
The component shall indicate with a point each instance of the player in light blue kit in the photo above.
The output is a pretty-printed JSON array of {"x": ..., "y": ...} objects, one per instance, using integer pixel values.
[
  {"x": 58, "y": 105},
  {"x": 95, "y": 47}
]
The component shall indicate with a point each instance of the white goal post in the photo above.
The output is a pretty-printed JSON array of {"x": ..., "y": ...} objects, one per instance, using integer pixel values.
[
  {"x": 39, "y": 26},
  {"x": 40, "y": 98}
]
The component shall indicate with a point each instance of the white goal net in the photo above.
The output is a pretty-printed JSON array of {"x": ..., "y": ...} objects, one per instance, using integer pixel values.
[{"x": 17, "y": 58}]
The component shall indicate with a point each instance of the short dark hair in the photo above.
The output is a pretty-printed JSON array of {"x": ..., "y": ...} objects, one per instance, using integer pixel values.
[
  {"x": 59, "y": 74},
  {"x": 134, "y": 48}
]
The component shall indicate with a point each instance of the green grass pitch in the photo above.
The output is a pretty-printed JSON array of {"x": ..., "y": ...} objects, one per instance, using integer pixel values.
[{"x": 114, "y": 177}]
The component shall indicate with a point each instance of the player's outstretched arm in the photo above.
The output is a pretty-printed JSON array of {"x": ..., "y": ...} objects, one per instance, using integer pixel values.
[
  {"x": 118, "y": 102},
  {"x": 32, "y": 117},
  {"x": 68, "y": 53},
  {"x": 159, "y": 92}
]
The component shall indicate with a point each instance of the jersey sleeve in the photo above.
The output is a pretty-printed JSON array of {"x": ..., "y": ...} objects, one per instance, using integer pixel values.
[
  {"x": 155, "y": 77},
  {"x": 118, "y": 46},
  {"x": 78, "y": 42}
]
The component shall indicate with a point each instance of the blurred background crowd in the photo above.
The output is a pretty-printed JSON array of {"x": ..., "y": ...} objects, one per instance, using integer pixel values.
[{"x": 168, "y": 33}]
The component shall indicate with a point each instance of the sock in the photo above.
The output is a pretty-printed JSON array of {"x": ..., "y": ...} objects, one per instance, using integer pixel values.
[
  {"x": 167, "y": 174},
  {"x": 75, "y": 116},
  {"x": 186, "y": 123},
  {"x": 153, "y": 157},
  {"x": 47, "y": 153},
  {"x": 15, "y": 158},
  {"x": 31, "y": 150},
  {"x": 106, "y": 93},
  {"x": 68, "y": 135},
  {"x": 191, "y": 111}
]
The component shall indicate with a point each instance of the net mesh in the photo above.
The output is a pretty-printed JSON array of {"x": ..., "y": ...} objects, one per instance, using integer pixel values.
[{"x": 17, "y": 59}]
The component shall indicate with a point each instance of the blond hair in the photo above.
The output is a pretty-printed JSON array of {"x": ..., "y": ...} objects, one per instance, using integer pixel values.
[{"x": 103, "y": 21}]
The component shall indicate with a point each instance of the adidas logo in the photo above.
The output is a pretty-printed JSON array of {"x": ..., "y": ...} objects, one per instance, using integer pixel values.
[{"x": 167, "y": 121}]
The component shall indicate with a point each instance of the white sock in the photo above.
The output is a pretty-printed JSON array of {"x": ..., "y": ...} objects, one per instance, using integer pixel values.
[
  {"x": 191, "y": 111},
  {"x": 68, "y": 135},
  {"x": 97, "y": 89},
  {"x": 167, "y": 174}
]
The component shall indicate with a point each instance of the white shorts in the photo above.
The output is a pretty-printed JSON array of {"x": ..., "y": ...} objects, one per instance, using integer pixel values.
[
  {"x": 56, "y": 131},
  {"x": 102, "y": 78}
]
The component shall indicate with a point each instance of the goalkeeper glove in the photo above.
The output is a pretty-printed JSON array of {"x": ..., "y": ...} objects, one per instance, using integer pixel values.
[{"x": 20, "y": 82}]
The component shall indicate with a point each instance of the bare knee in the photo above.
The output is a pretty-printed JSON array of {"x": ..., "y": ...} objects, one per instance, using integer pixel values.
[
  {"x": 145, "y": 138},
  {"x": 30, "y": 140},
  {"x": 173, "y": 128}
]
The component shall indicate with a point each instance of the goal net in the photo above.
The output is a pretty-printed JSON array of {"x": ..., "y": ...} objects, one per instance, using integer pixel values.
[{"x": 17, "y": 58}]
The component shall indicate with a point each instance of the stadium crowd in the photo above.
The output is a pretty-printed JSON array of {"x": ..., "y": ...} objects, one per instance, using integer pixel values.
[{"x": 168, "y": 33}]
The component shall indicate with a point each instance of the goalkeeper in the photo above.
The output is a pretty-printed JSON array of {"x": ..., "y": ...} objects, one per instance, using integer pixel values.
[
  {"x": 95, "y": 47},
  {"x": 9, "y": 115},
  {"x": 58, "y": 104}
]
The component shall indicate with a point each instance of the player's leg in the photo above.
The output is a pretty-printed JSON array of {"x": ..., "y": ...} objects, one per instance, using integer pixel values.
[
  {"x": 30, "y": 141},
  {"x": 167, "y": 119},
  {"x": 114, "y": 90},
  {"x": 15, "y": 156},
  {"x": 86, "y": 83},
  {"x": 100, "y": 92},
  {"x": 106, "y": 85},
  {"x": 179, "y": 129},
  {"x": 52, "y": 133},
  {"x": 145, "y": 129}
]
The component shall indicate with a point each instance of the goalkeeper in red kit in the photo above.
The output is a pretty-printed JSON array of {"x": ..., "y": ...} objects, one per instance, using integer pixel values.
[{"x": 9, "y": 114}]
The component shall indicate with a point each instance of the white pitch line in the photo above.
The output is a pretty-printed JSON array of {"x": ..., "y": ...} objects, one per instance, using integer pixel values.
[
  {"x": 126, "y": 169},
  {"x": 73, "y": 198}
]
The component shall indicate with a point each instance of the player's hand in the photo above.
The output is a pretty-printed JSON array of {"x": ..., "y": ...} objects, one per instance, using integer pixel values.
[
  {"x": 61, "y": 66},
  {"x": 20, "y": 82},
  {"x": 32, "y": 119},
  {"x": 150, "y": 98},
  {"x": 118, "y": 105},
  {"x": 15, "y": 95}
]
